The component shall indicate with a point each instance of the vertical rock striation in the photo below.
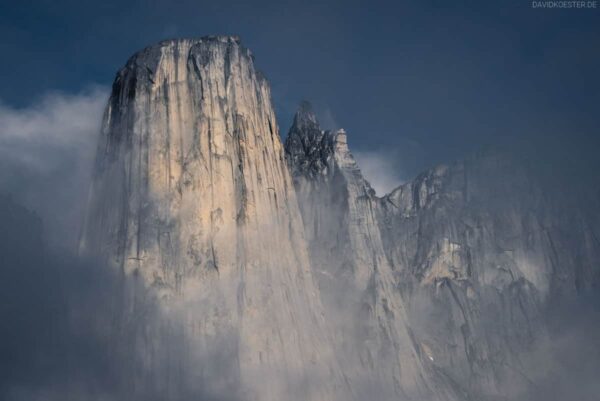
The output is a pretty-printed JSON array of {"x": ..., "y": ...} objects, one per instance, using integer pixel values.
[
  {"x": 482, "y": 252},
  {"x": 453, "y": 271},
  {"x": 339, "y": 209},
  {"x": 192, "y": 195}
]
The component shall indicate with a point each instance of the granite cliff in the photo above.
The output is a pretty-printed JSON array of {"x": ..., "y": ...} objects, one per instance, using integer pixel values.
[
  {"x": 282, "y": 262},
  {"x": 192, "y": 195}
]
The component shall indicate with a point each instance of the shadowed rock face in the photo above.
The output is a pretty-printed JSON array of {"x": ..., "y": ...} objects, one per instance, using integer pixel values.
[
  {"x": 339, "y": 209},
  {"x": 466, "y": 258},
  {"x": 481, "y": 247},
  {"x": 191, "y": 193}
]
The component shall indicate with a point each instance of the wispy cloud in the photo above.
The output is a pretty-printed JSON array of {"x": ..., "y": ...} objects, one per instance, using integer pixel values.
[
  {"x": 381, "y": 169},
  {"x": 46, "y": 152}
]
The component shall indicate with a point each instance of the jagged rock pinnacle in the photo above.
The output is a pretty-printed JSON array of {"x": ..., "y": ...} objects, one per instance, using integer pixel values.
[
  {"x": 309, "y": 149},
  {"x": 305, "y": 119}
]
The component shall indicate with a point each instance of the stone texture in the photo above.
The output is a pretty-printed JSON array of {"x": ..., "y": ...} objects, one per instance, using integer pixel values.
[
  {"x": 356, "y": 280},
  {"x": 481, "y": 248},
  {"x": 191, "y": 193},
  {"x": 462, "y": 262}
]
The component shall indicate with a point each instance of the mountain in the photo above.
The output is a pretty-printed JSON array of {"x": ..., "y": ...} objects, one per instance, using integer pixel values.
[
  {"x": 191, "y": 193},
  {"x": 480, "y": 246},
  {"x": 455, "y": 271},
  {"x": 278, "y": 272}
]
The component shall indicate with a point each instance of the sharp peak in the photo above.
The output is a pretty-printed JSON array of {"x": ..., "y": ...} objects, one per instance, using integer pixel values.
[{"x": 305, "y": 117}]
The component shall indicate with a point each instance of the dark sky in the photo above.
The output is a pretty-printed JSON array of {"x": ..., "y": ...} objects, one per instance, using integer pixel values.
[{"x": 426, "y": 81}]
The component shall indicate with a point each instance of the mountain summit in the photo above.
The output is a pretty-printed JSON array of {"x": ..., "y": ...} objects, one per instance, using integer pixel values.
[{"x": 191, "y": 193}]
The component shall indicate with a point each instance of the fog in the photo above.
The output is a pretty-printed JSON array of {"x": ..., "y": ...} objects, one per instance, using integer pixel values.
[
  {"x": 46, "y": 153},
  {"x": 73, "y": 329}
]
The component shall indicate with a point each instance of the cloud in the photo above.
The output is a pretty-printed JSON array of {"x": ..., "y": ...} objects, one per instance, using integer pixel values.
[
  {"x": 71, "y": 328},
  {"x": 46, "y": 153},
  {"x": 381, "y": 169}
]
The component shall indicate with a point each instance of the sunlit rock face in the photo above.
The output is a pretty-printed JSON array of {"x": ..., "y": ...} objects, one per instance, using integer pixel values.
[{"x": 192, "y": 195}]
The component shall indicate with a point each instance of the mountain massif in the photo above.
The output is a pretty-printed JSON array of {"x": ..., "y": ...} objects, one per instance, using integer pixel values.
[{"x": 287, "y": 272}]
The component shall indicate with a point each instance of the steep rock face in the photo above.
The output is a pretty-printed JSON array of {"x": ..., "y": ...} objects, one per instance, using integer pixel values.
[
  {"x": 465, "y": 259},
  {"x": 480, "y": 253},
  {"x": 495, "y": 208},
  {"x": 191, "y": 194},
  {"x": 338, "y": 208}
]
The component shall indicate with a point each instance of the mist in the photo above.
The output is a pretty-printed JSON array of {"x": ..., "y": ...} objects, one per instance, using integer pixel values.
[
  {"x": 47, "y": 150},
  {"x": 381, "y": 168},
  {"x": 73, "y": 328}
]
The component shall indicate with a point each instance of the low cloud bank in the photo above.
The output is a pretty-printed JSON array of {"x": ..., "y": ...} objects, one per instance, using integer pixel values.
[
  {"x": 72, "y": 329},
  {"x": 46, "y": 155}
]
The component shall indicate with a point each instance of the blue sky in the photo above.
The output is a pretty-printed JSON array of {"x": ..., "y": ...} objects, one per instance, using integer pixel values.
[{"x": 417, "y": 83}]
